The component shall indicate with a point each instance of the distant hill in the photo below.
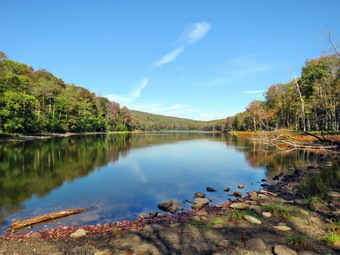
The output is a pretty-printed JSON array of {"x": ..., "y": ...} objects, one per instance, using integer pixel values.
[{"x": 150, "y": 121}]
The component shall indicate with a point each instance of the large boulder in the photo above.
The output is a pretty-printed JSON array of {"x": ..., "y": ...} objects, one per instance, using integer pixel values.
[{"x": 171, "y": 206}]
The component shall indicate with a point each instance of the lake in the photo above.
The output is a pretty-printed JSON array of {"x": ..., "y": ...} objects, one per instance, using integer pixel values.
[{"x": 124, "y": 175}]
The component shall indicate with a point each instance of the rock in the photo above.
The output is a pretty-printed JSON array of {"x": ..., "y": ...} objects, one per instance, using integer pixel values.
[
  {"x": 199, "y": 195},
  {"x": 196, "y": 218},
  {"x": 56, "y": 253},
  {"x": 252, "y": 220},
  {"x": 210, "y": 189},
  {"x": 79, "y": 233},
  {"x": 283, "y": 250},
  {"x": 145, "y": 249},
  {"x": 241, "y": 206},
  {"x": 240, "y": 186},
  {"x": 201, "y": 213},
  {"x": 253, "y": 202},
  {"x": 227, "y": 189},
  {"x": 264, "y": 180},
  {"x": 161, "y": 215},
  {"x": 171, "y": 206},
  {"x": 282, "y": 228},
  {"x": 148, "y": 229},
  {"x": 256, "y": 244},
  {"x": 224, "y": 243},
  {"x": 256, "y": 208},
  {"x": 267, "y": 214},
  {"x": 104, "y": 252},
  {"x": 153, "y": 214},
  {"x": 142, "y": 216},
  {"x": 264, "y": 185},
  {"x": 237, "y": 194},
  {"x": 199, "y": 203},
  {"x": 262, "y": 196},
  {"x": 275, "y": 178},
  {"x": 202, "y": 248},
  {"x": 282, "y": 224},
  {"x": 334, "y": 195},
  {"x": 240, "y": 199}
]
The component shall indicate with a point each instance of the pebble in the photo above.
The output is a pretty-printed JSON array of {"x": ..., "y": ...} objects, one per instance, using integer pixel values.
[
  {"x": 267, "y": 214},
  {"x": 252, "y": 220},
  {"x": 283, "y": 250},
  {"x": 240, "y": 186},
  {"x": 239, "y": 206},
  {"x": 256, "y": 243},
  {"x": 79, "y": 233},
  {"x": 282, "y": 228}
]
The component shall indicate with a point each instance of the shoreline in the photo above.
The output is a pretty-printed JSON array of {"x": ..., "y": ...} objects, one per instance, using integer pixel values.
[{"x": 207, "y": 219}]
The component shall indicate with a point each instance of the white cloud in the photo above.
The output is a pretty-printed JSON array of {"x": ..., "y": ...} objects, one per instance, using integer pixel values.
[
  {"x": 169, "y": 57},
  {"x": 130, "y": 98},
  {"x": 254, "y": 91},
  {"x": 197, "y": 32}
]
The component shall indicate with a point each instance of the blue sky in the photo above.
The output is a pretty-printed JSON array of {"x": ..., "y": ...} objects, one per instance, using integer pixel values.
[{"x": 199, "y": 59}]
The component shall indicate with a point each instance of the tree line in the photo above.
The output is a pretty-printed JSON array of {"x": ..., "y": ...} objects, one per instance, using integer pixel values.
[
  {"x": 37, "y": 101},
  {"x": 308, "y": 102}
]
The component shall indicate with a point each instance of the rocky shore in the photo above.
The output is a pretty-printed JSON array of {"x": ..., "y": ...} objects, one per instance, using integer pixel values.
[{"x": 274, "y": 220}]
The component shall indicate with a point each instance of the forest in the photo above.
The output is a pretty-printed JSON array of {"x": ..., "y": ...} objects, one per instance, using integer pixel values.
[
  {"x": 39, "y": 102},
  {"x": 309, "y": 102}
]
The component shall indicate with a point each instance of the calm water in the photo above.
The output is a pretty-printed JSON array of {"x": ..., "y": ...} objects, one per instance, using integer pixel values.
[{"x": 124, "y": 175}]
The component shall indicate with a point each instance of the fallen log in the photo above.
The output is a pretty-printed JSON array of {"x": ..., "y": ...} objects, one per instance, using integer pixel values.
[{"x": 17, "y": 225}]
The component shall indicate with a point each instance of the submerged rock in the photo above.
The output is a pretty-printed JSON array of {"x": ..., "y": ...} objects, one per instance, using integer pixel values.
[
  {"x": 227, "y": 189},
  {"x": 199, "y": 195},
  {"x": 210, "y": 189},
  {"x": 171, "y": 206}
]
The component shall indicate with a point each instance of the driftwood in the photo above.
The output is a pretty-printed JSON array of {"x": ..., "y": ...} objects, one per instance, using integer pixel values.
[{"x": 17, "y": 225}]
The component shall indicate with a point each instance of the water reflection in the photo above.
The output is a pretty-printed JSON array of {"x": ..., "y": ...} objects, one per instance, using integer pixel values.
[{"x": 162, "y": 164}]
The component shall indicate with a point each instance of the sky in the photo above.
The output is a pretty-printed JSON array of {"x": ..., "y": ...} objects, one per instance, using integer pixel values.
[{"x": 197, "y": 59}]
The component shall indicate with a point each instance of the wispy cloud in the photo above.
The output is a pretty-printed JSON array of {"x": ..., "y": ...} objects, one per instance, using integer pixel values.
[
  {"x": 169, "y": 57},
  {"x": 254, "y": 91},
  {"x": 193, "y": 34},
  {"x": 197, "y": 32},
  {"x": 122, "y": 99}
]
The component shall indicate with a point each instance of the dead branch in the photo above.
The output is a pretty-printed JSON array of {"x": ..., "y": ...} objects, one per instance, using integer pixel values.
[
  {"x": 323, "y": 139},
  {"x": 16, "y": 225}
]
